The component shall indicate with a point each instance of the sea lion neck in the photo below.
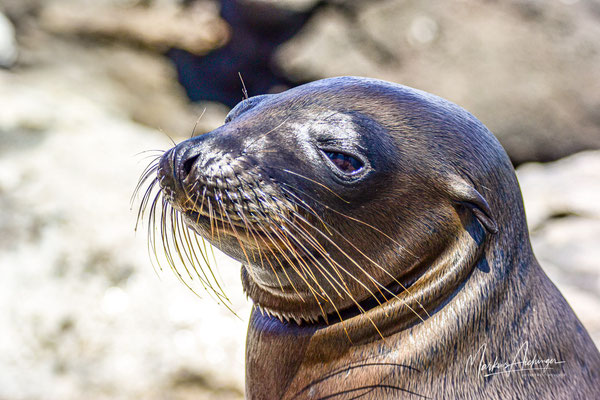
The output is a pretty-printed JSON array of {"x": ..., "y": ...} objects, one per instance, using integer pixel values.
[
  {"x": 338, "y": 346},
  {"x": 437, "y": 283}
]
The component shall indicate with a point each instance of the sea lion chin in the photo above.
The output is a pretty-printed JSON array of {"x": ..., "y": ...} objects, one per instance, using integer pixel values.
[{"x": 388, "y": 225}]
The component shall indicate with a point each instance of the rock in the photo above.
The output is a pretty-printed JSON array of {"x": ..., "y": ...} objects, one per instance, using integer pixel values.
[
  {"x": 561, "y": 201},
  {"x": 8, "y": 43},
  {"x": 135, "y": 83},
  {"x": 568, "y": 187},
  {"x": 160, "y": 27},
  {"x": 527, "y": 69}
]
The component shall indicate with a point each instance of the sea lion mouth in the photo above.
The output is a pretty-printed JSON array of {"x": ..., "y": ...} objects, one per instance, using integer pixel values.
[
  {"x": 231, "y": 225},
  {"x": 228, "y": 223}
]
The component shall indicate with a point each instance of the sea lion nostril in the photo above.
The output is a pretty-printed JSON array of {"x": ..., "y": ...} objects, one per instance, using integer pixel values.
[{"x": 187, "y": 165}]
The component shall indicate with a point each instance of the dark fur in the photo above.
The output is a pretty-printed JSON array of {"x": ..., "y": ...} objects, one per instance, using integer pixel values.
[{"x": 437, "y": 204}]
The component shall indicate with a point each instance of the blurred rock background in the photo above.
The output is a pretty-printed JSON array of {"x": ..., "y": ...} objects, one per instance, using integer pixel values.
[{"x": 86, "y": 86}]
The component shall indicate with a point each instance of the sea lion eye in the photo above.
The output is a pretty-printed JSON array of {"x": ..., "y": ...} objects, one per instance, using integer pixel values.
[{"x": 345, "y": 163}]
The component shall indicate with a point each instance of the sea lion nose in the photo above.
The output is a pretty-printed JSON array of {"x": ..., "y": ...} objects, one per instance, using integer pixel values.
[
  {"x": 186, "y": 155},
  {"x": 186, "y": 166}
]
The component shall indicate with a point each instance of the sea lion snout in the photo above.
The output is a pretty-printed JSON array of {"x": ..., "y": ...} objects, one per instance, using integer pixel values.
[{"x": 199, "y": 162}]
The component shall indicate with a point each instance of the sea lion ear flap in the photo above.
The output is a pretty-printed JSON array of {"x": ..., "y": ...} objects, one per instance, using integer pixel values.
[{"x": 469, "y": 197}]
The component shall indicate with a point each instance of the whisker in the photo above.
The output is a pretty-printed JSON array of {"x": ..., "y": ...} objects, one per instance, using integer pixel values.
[
  {"x": 266, "y": 233},
  {"x": 328, "y": 298},
  {"x": 313, "y": 292},
  {"x": 350, "y": 218},
  {"x": 196, "y": 123},
  {"x": 303, "y": 266},
  {"x": 144, "y": 203},
  {"x": 291, "y": 263},
  {"x": 334, "y": 264},
  {"x": 379, "y": 286},
  {"x": 315, "y": 182},
  {"x": 404, "y": 288},
  {"x": 146, "y": 174},
  {"x": 358, "y": 305},
  {"x": 244, "y": 91}
]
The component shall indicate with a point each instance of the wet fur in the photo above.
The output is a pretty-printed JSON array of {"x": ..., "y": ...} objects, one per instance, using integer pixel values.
[{"x": 439, "y": 263}]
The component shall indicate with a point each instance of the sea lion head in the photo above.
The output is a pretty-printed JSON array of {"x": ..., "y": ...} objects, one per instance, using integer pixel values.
[{"x": 344, "y": 194}]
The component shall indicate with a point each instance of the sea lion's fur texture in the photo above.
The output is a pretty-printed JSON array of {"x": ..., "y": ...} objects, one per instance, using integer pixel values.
[{"x": 383, "y": 239}]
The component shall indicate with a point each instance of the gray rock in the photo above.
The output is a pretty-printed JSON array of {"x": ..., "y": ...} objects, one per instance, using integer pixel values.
[
  {"x": 158, "y": 26},
  {"x": 8, "y": 43}
]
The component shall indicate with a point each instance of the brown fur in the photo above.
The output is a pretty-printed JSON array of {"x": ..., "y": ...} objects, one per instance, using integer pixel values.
[{"x": 407, "y": 278}]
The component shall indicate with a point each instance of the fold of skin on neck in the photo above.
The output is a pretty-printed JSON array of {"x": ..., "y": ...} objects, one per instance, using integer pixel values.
[
  {"x": 487, "y": 299},
  {"x": 342, "y": 345}
]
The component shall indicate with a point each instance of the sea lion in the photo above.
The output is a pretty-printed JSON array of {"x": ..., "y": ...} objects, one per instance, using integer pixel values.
[{"x": 383, "y": 241}]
